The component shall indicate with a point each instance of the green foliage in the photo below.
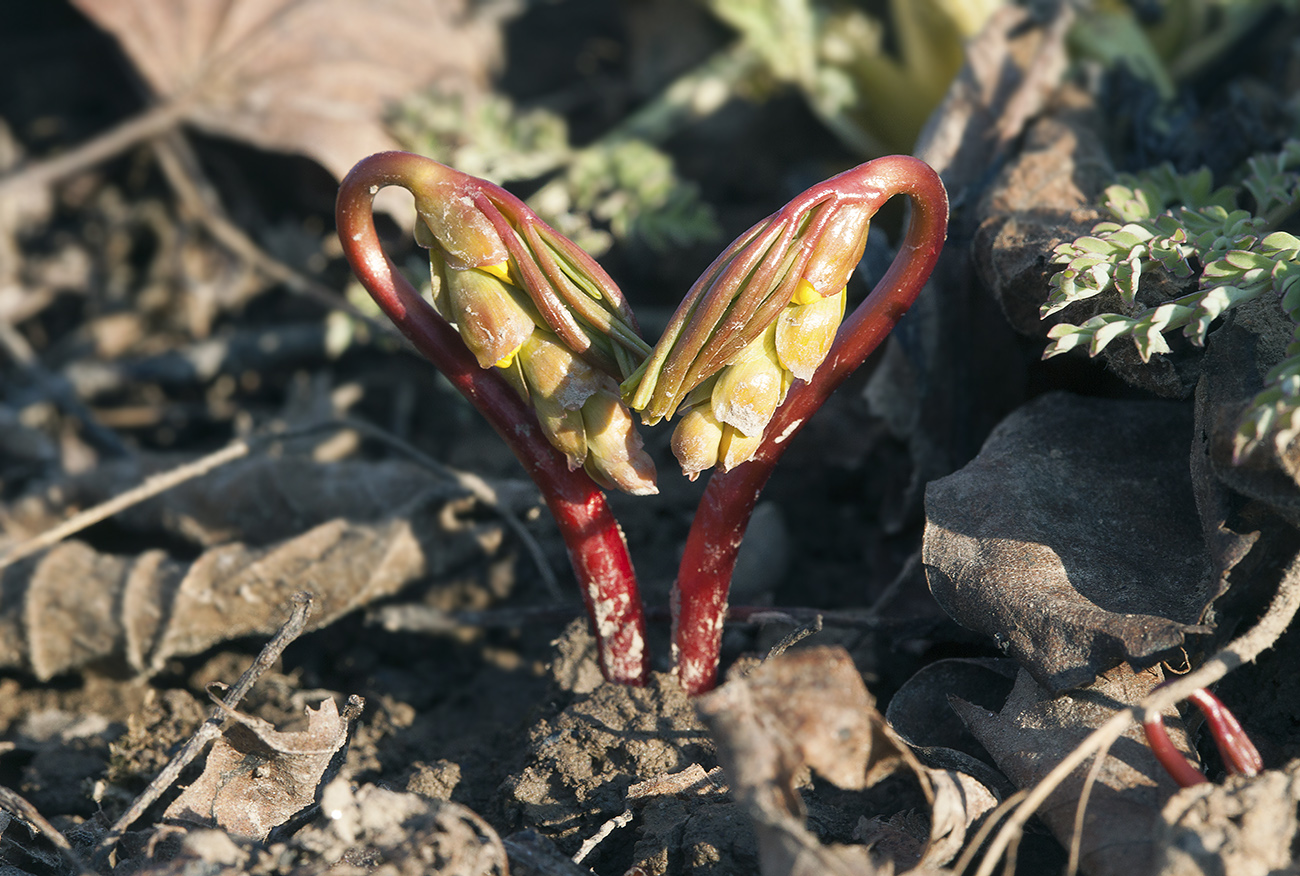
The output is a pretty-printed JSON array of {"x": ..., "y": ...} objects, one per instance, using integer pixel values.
[
  {"x": 1181, "y": 41},
  {"x": 874, "y": 98},
  {"x": 486, "y": 137},
  {"x": 631, "y": 186},
  {"x": 620, "y": 188},
  {"x": 1179, "y": 225}
]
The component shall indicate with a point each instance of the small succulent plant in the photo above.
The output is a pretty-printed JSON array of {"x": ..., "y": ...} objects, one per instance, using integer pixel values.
[
  {"x": 539, "y": 338},
  {"x": 1180, "y": 225}
]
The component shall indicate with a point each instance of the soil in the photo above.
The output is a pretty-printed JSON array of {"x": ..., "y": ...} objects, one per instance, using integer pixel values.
[{"x": 495, "y": 722}]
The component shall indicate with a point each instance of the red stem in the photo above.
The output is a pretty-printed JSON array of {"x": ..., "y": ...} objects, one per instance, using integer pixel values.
[
  {"x": 1239, "y": 754},
  {"x": 1173, "y": 760},
  {"x": 700, "y": 594},
  {"x": 596, "y": 545}
]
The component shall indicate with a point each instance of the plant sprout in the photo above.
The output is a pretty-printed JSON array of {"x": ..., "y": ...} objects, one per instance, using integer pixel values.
[
  {"x": 1239, "y": 754},
  {"x": 535, "y": 334},
  {"x": 471, "y": 225}
]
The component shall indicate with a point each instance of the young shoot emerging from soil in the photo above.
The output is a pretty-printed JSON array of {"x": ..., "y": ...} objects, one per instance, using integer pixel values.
[{"x": 538, "y": 337}]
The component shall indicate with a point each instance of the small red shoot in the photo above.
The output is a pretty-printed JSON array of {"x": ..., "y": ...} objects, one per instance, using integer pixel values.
[
  {"x": 1239, "y": 754},
  {"x": 471, "y": 220},
  {"x": 700, "y": 598}
]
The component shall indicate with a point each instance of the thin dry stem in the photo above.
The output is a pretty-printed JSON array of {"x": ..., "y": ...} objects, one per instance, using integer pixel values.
[
  {"x": 990, "y": 821},
  {"x": 164, "y": 481},
  {"x": 15, "y": 803},
  {"x": 152, "y": 486},
  {"x": 118, "y": 139},
  {"x": 211, "y": 728},
  {"x": 1245, "y": 649},
  {"x": 183, "y": 173},
  {"x": 1076, "y": 838}
]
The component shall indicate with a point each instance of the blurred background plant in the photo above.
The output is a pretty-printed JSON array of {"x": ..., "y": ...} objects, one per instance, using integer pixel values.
[
  {"x": 619, "y": 188},
  {"x": 871, "y": 73},
  {"x": 1166, "y": 42},
  {"x": 873, "y": 80}
]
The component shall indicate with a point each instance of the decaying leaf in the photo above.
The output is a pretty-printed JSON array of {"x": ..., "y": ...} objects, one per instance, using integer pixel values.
[
  {"x": 258, "y": 500},
  {"x": 257, "y": 778},
  {"x": 308, "y": 76},
  {"x": 921, "y": 714},
  {"x": 1036, "y": 729},
  {"x": 74, "y": 604},
  {"x": 366, "y": 830},
  {"x": 1239, "y": 828},
  {"x": 1073, "y": 538},
  {"x": 810, "y": 708}
]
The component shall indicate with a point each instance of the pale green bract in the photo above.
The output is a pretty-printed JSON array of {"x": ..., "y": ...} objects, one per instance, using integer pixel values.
[{"x": 1178, "y": 225}]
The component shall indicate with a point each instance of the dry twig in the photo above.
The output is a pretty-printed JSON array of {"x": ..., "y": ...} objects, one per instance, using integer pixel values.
[
  {"x": 199, "y": 198},
  {"x": 1245, "y": 649},
  {"x": 11, "y": 801},
  {"x": 152, "y": 486},
  {"x": 209, "y": 729},
  {"x": 160, "y": 483}
]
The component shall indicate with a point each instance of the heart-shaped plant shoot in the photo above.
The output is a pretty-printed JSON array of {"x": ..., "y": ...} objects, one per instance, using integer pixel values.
[{"x": 538, "y": 337}]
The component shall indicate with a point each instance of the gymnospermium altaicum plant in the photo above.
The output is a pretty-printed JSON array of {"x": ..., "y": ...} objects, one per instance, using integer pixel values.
[{"x": 1181, "y": 225}]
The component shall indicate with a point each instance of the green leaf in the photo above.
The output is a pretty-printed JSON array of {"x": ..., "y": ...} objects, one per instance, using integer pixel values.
[{"x": 1109, "y": 326}]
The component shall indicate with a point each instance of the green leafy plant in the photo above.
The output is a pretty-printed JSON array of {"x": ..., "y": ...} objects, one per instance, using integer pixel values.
[
  {"x": 1183, "y": 227},
  {"x": 1167, "y": 42},
  {"x": 538, "y": 337}
]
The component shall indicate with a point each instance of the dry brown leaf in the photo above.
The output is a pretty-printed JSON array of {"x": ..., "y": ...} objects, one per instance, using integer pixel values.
[
  {"x": 364, "y": 830},
  {"x": 1072, "y": 539},
  {"x": 349, "y": 534},
  {"x": 1035, "y": 730},
  {"x": 256, "y": 778},
  {"x": 258, "y": 500},
  {"x": 810, "y": 708},
  {"x": 306, "y": 76}
]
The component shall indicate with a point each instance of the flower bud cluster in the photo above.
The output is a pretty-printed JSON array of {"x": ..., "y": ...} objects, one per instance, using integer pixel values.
[
  {"x": 725, "y": 417},
  {"x": 468, "y": 223},
  {"x": 577, "y": 406},
  {"x": 581, "y": 414},
  {"x": 764, "y": 315},
  {"x": 528, "y": 302}
]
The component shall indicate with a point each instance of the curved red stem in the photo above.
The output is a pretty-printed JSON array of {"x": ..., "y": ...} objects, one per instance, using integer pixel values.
[
  {"x": 700, "y": 594},
  {"x": 595, "y": 543},
  {"x": 1239, "y": 754},
  {"x": 1173, "y": 760}
]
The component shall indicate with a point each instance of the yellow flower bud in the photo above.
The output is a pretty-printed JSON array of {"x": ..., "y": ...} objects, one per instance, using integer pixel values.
[
  {"x": 748, "y": 390},
  {"x": 736, "y": 448},
  {"x": 615, "y": 455},
  {"x": 555, "y": 373},
  {"x": 696, "y": 441},
  {"x": 564, "y": 428},
  {"x": 838, "y": 250},
  {"x": 492, "y": 323},
  {"x": 805, "y": 332}
]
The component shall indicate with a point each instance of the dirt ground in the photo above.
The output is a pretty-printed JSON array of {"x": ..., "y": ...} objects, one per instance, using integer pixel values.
[{"x": 467, "y": 729}]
